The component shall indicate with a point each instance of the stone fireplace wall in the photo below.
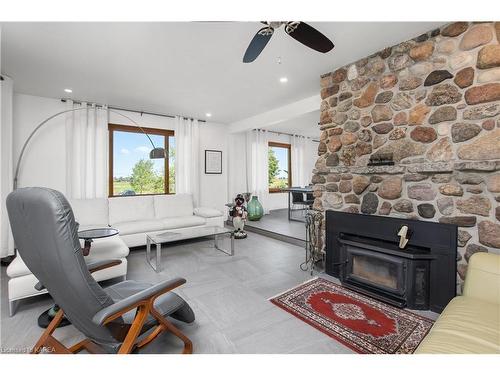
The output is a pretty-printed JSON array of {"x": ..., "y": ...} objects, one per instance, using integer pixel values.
[{"x": 433, "y": 102}]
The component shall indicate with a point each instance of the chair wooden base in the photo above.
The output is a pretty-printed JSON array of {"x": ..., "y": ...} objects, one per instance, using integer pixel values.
[{"x": 51, "y": 345}]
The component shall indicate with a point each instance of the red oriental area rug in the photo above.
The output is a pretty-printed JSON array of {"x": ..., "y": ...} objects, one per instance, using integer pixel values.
[{"x": 362, "y": 323}]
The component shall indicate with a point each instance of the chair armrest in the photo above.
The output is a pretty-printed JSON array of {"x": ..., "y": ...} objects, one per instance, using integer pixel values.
[
  {"x": 92, "y": 267},
  {"x": 99, "y": 265},
  {"x": 143, "y": 297}
]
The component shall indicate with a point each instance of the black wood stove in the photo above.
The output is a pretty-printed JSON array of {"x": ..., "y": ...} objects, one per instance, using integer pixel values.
[{"x": 415, "y": 269}]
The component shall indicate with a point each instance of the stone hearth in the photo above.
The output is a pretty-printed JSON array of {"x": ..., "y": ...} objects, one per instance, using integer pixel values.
[{"x": 433, "y": 105}]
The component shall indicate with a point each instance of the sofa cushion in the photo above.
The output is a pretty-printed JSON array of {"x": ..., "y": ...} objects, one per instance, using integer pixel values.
[
  {"x": 207, "y": 212},
  {"x": 107, "y": 248},
  {"x": 139, "y": 226},
  {"x": 91, "y": 212},
  {"x": 466, "y": 325},
  {"x": 167, "y": 206},
  {"x": 483, "y": 269},
  {"x": 102, "y": 249},
  {"x": 183, "y": 222},
  {"x": 17, "y": 268},
  {"x": 130, "y": 208}
]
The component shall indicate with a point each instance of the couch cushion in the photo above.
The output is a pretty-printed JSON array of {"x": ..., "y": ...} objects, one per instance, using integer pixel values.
[
  {"x": 207, "y": 212},
  {"x": 91, "y": 212},
  {"x": 466, "y": 325},
  {"x": 102, "y": 249},
  {"x": 107, "y": 248},
  {"x": 167, "y": 206},
  {"x": 483, "y": 269},
  {"x": 183, "y": 222},
  {"x": 139, "y": 226},
  {"x": 130, "y": 208},
  {"x": 17, "y": 268}
]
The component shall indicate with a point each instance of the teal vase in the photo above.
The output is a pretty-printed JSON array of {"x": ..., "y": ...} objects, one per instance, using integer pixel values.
[{"x": 255, "y": 210}]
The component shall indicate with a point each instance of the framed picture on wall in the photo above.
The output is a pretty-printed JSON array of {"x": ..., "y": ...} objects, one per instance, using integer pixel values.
[{"x": 213, "y": 162}]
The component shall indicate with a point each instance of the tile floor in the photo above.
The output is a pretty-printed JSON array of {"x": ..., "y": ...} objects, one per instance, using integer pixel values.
[{"x": 228, "y": 294}]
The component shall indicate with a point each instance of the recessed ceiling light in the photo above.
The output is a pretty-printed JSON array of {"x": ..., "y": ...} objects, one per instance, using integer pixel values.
[
  {"x": 283, "y": 80},
  {"x": 69, "y": 91},
  {"x": 208, "y": 114}
]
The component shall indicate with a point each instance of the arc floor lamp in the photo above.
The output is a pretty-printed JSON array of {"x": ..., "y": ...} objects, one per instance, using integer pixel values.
[{"x": 155, "y": 153}]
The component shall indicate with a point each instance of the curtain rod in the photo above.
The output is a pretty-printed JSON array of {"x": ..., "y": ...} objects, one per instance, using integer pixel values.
[
  {"x": 130, "y": 110},
  {"x": 289, "y": 134}
]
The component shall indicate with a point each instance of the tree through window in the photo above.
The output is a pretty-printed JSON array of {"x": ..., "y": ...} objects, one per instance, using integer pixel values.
[
  {"x": 131, "y": 172},
  {"x": 279, "y": 167}
]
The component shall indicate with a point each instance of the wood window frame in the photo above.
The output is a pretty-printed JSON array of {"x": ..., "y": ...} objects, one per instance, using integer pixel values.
[
  {"x": 134, "y": 129},
  {"x": 289, "y": 147}
]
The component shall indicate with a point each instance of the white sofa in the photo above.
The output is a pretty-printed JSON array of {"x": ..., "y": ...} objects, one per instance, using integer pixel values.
[{"x": 133, "y": 216}]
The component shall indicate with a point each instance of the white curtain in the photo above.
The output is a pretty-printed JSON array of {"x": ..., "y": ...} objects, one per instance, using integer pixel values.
[
  {"x": 257, "y": 166},
  {"x": 86, "y": 151},
  {"x": 187, "y": 157},
  {"x": 298, "y": 149},
  {"x": 6, "y": 164}
]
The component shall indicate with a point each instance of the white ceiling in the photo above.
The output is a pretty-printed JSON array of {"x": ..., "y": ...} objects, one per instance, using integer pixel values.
[
  {"x": 183, "y": 68},
  {"x": 306, "y": 125}
]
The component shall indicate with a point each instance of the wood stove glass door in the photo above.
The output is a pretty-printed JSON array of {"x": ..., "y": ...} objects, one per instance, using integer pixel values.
[{"x": 376, "y": 270}]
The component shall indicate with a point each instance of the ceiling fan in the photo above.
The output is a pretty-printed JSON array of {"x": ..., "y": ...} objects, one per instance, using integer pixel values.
[{"x": 298, "y": 30}]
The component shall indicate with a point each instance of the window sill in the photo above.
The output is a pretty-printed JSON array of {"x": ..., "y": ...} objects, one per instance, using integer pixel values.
[{"x": 138, "y": 195}]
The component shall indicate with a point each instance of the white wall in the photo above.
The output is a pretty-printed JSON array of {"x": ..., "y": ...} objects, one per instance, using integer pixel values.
[
  {"x": 45, "y": 159},
  {"x": 44, "y": 162},
  {"x": 213, "y": 187}
]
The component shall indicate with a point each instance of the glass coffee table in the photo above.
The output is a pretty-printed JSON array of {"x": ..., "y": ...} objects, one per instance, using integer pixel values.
[{"x": 185, "y": 234}]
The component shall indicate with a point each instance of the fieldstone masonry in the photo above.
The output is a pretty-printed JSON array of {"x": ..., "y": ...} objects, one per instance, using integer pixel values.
[{"x": 434, "y": 103}]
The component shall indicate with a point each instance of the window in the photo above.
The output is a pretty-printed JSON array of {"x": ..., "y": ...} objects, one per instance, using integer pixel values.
[
  {"x": 280, "y": 171},
  {"x": 131, "y": 172}
]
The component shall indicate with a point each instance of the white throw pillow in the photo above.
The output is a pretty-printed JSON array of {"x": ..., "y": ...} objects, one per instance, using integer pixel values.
[{"x": 207, "y": 212}]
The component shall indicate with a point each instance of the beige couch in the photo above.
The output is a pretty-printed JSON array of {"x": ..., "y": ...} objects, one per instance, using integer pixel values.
[{"x": 471, "y": 322}]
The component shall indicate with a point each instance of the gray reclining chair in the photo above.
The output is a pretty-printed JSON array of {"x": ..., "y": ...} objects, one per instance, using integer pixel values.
[{"x": 117, "y": 319}]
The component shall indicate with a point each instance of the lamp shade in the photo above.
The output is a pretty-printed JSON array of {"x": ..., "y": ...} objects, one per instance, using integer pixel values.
[{"x": 157, "y": 153}]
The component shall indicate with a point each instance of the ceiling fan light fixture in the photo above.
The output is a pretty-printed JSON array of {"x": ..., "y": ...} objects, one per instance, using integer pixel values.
[{"x": 298, "y": 30}]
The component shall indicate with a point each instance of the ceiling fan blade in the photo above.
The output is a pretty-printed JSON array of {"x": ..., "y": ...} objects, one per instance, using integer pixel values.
[
  {"x": 308, "y": 36},
  {"x": 258, "y": 43}
]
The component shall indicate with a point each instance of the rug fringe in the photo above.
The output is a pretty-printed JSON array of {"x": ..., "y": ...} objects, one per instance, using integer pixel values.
[{"x": 296, "y": 286}]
